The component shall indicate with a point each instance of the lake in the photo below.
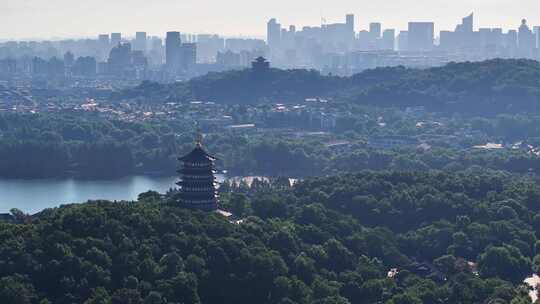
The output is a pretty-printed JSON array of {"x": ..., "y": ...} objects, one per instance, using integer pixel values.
[{"x": 32, "y": 196}]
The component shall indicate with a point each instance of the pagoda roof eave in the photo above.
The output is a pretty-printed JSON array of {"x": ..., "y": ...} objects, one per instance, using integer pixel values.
[{"x": 197, "y": 154}]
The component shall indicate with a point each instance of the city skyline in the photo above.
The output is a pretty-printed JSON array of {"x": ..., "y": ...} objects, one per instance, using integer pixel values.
[{"x": 239, "y": 17}]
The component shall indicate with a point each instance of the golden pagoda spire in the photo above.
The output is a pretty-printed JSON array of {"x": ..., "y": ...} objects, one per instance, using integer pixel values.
[{"x": 198, "y": 140}]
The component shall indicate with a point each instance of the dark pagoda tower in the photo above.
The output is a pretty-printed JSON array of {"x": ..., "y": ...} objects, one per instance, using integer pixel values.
[{"x": 198, "y": 184}]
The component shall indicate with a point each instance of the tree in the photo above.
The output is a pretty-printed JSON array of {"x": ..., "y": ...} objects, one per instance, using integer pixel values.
[
  {"x": 149, "y": 196},
  {"x": 127, "y": 296},
  {"x": 504, "y": 262},
  {"x": 239, "y": 204},
  {"x": 180, "y": 289},
  {"x": 99, "y": 296},
  {"x": 446, "y": 264},
  {"x": 404, "y": 299},
  {"x": 153, "y": 298},
  {"x": 17, "y": 290}
]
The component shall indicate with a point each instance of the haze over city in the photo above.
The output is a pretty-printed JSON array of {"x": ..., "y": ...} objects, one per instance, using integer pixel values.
[{"x": 66, "y": 19}]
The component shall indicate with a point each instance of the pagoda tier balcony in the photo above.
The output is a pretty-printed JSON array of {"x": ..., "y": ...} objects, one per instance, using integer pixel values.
[
  {"x": 198, "y": 164},
  {"x": 207, "y": 176},
  {"x": 196, "y": 171},
  {"x": 197, "y": 184},
  {"x": 198, "y": 189}
]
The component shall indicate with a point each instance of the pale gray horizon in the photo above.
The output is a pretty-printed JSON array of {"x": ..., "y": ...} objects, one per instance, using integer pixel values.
[{"x": 57, "y": 19}]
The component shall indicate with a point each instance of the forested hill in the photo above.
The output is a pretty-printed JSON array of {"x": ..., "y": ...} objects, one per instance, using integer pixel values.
[
  {"x": 493, "y": 86},
  {"x": 242, "y": 86},
  {"x": 327, "y": 241}
]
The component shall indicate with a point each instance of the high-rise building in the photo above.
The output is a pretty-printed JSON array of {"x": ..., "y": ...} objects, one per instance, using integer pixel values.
[
  {"x": 511, "y": 41},
  {"x": 119, "y": 59},
  {"x": 349, "y": 20},
  {"x": 467, "y": 24},
  {"x": 188, "y": 55},
  {"x": 116, "y": 38},
  {"x": 104, "y": 46},
  {"x": 208, "y": 46},
  {"x": 173, "y": 44},
  {"x": 375, "y": 30},
  {"x": 403, "y": 41},
  {"x": 464, "y": 36},
  {"x": 156, "y": 51},
  {"x": 537, "y": 34},
  {"x": 421, "y": 36},
  {"x": 140, "y": 42},
  {"x": 447, "y": 40},
  {"x": 388, "y": 39},
  {"x": 85, "y": 67},
  {"x": 139, "y": 60},
  {"x": 497, "y": 36},
  {"x": 69, "y": 59},
  {"x": 273, "y": 34},
  {"x": 104, "y": 40},
  {"x": 526, "y": 40}
]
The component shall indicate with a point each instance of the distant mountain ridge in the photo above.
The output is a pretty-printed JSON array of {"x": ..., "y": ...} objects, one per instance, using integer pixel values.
[{"x": 487, "y": 87}]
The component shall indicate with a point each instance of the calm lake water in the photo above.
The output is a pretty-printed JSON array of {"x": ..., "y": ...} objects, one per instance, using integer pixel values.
[{"x": 32, "y": 196}]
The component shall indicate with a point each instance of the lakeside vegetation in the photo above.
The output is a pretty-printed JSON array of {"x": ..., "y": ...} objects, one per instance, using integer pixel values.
[
  {"x": 327, "y": 240},
  {"x": 59, "y": 145}
]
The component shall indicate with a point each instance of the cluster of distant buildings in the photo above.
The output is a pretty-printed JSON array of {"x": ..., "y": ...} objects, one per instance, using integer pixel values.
[
  {"x": 336, "y": 48},
  {"x": 111, "y": 56},
  {"x": 340, "y": 49}
]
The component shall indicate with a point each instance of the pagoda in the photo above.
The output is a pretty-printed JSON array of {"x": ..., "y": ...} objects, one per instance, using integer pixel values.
[
  {"x": 260, "y": 65},
  {"x": 198, "y": 183}
]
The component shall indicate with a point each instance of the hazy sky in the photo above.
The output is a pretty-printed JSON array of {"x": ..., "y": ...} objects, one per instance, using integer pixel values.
[{"x": 86, "y": 18}]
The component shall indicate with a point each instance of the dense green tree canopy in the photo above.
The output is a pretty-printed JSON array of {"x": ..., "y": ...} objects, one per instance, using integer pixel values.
[
  {"x": 488, "y": 87},
  {"x": 328, "y": 240}
]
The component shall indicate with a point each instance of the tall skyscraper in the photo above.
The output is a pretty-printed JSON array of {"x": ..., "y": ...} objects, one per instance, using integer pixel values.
[
  {"x": 447, "y": 40},
  {"x": 104, "y": 46},
  {"x": 173, "y": 44},
  {"x": 349, "y": 20},
  {"x": 526, "y": 40},
  {"x": 273, "y": 34},
  {"x": 421, "y": 36},
  {"x": 497, "y": 36},
  {"x": 464, "y": 36},
  {"x": 116, "y": 38},
  {"x": 511, "y": 41},
  {"x": 537, "y": 34},
  {"x": 467, "y": 24},
  {"x": 156, "y": 51},
  {"x": 375, "y": 29},
  {"x": 119, "y": 59},
  {"x": 140, "y": 42},
  {"x": 104, "y": 40},
  {"x": 69, "y": 59},
  {"x": 403, "y": 41},
  {"x": 388, "y": 39},
  {"x": 188, "y": 55}
]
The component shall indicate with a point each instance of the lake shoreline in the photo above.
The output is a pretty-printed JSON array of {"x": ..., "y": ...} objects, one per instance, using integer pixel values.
[{"x": 33, "y": 196}]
